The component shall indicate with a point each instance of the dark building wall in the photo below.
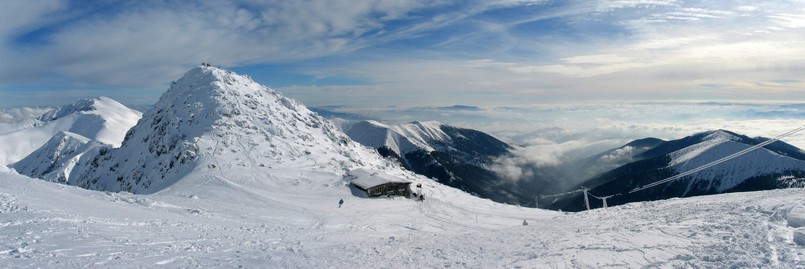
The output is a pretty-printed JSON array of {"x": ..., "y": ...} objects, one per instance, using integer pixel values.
[{"x": 392, "y": 188}]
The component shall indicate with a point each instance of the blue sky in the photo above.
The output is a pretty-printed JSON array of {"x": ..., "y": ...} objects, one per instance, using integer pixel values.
[{"x": 378, "y": 53}]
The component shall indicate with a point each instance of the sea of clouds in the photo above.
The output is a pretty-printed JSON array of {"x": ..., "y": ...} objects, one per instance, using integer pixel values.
[{"x": 549, "y": 137}]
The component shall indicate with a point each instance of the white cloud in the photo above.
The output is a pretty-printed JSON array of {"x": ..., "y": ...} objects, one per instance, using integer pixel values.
[
  {"x": 651, "y": 43},
  {"x": 620, "y": 154},
  {"x": 426, "y": 52},
  {"x": 610, "y": 5},
  {"x": 790, "y": 20},
  {"x": 597, "y": 59},
  {"x": 150, "y": 43},
  {"x": 19, "y": 16}
]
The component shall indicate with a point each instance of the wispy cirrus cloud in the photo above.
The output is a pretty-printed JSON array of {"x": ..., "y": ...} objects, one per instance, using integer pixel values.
[
  {"x": 522, "y": 51},
  {"x": 117, "y": 45}
]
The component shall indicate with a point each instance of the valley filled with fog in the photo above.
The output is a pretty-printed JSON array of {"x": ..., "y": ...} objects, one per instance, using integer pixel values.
[{"x": 548, "y": 138}]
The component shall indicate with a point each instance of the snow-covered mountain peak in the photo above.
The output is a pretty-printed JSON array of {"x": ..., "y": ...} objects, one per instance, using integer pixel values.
[
  {"x": 374, "y": 123},
  {"x": 68, "y": 136},
  {"x": 85, "y": 106},
  {"x": 720, "y": 135},
  {"x": 101, "y": 119},
  {"x": 426, "y": 131},
  {"x": 212, "y": 81},
  {"x": 721, "y": 143},
  {"x": 399, "y": 138},
  {"x": 56, "y": 158},
  {"x": 211, "y": 99},
  {"x": 215, "y": 119},
  {"x": 427, "y": 124},
  {"x": 709, "y": 140}
]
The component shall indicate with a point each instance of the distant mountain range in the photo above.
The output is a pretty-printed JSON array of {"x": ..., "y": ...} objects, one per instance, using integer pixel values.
[{"x": 777, "y": 165}]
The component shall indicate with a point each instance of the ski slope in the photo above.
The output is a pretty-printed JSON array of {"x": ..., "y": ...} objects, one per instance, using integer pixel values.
[{"x": 220, "y": 225}]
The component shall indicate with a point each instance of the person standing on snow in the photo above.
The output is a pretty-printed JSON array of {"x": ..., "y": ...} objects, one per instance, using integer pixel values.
[{"x": 340, "y": 202}]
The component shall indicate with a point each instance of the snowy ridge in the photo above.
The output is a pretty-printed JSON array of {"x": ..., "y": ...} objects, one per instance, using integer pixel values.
[
  {"x": 101, "y": 119},
  {"x": 467, "y": 145},
  {"x": 426, "y": 132},
  {"x": 399, "y": 138},
  {"x": 710, "y": 140},
  {"x": 657, "y": 173},
  {"x": 55, "y": 160},
  {"x": 717, "y": 144},
  {"x": 214, "y": 120},
  {"x": 691, "y": 152},
  {"x": 729, "y": 174},
  {"x": 375, "y": 134},
  {"x": 720, "y": 135},
  {"x": 121, "y": 230},
  {"x": 80, "y": 106}
]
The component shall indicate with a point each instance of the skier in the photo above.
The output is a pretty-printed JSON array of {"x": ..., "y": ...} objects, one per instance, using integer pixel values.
[
  {"x": 340, "y": 202},
  {"x": 525, "y": 223}
]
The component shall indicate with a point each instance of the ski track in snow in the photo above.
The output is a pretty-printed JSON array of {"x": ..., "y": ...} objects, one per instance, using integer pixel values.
[{"x": 56, "y": 226}]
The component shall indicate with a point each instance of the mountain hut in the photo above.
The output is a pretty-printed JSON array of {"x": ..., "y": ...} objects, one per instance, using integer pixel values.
[{"x": 377, "y": 184}]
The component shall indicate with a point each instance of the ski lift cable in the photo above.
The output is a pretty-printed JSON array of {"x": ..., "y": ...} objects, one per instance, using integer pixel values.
[
  {"x": 716, "y": 162},
  {"x": 602, "y": 197},
  {"x": 719, "y": 161},
  {"x": 689, "y": 172},
  {"x": 559, "y": 194}
]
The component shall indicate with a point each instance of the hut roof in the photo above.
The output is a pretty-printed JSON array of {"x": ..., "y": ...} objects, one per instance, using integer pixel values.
[{"x": 367, "y": 178}]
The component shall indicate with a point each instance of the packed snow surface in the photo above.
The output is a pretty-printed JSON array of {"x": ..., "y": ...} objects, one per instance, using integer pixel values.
[{"x": 220, "y": 224}]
